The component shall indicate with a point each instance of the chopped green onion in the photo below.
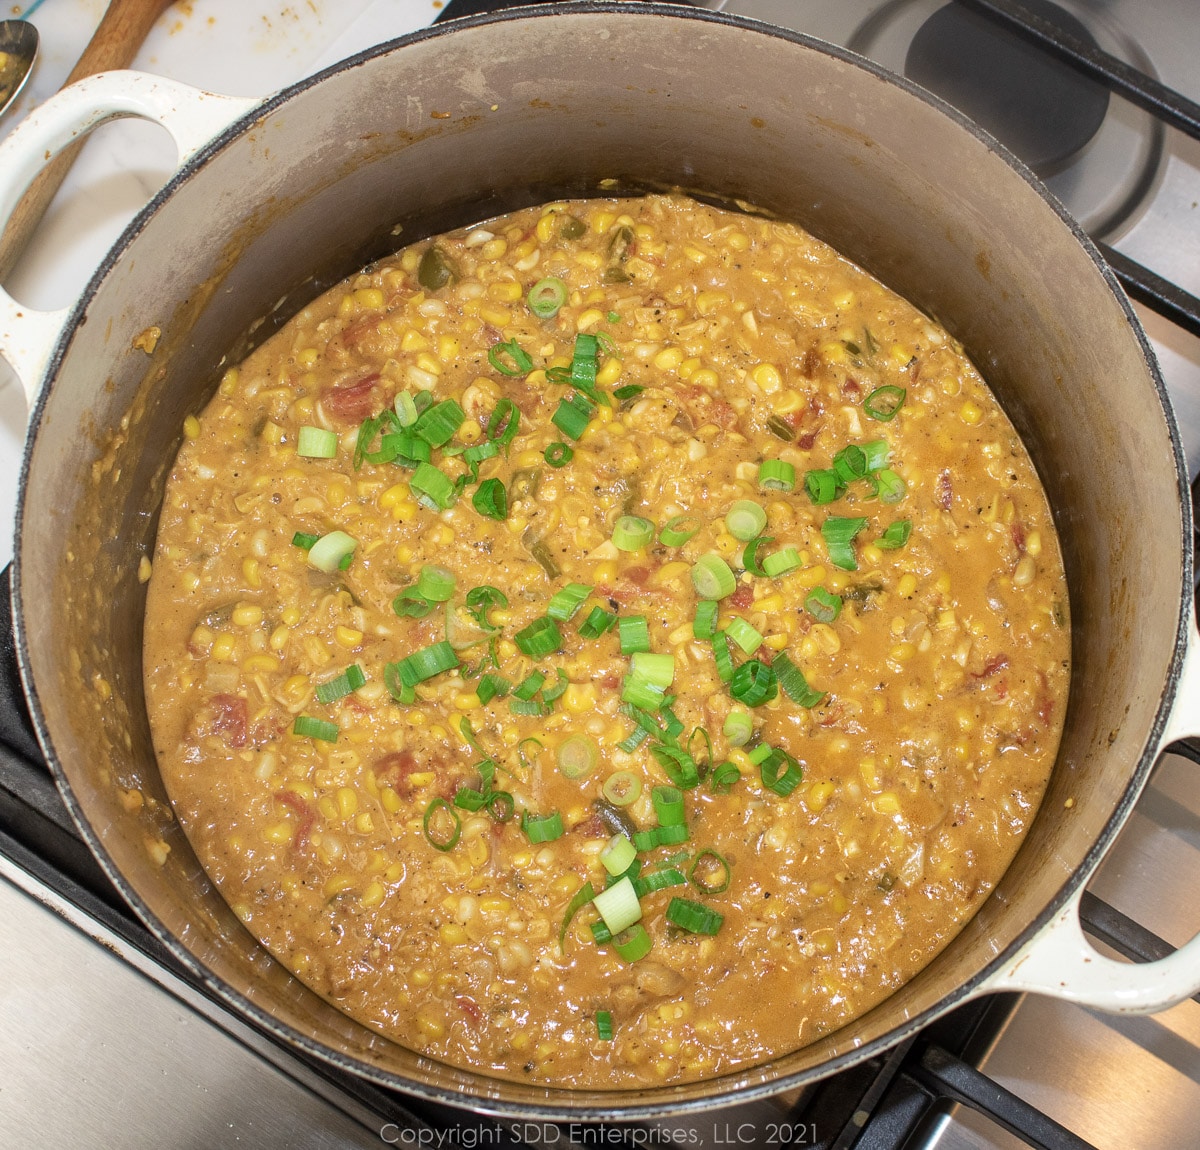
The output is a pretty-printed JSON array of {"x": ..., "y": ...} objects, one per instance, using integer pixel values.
[
  {"x": 839, "y": 536},
  {"x": 694, "y": 917},
  {"x": 658, "y": 880},
  {"x": 744, "y": 635},
  {"x": 469, "y": 799},
  {"x": 618, "y": 905},
  {"x": 738, "y": 728},
  {"x": 782, "y": 562},
  {"x": 481, "y": 599},
  {"x": 542, "y": 828},
  {"x": 327, "y": 553},
  {"x": 558, "y": 687},
  {"x": 577, "y": 756},
  {"x": 432, "y": 487},
  {"x": 307, "y": 727},
  {"x": 876, "y": 452},
  {"x": 579, "y": 900},
  {"x": 573, "y": 415},
  {"x": 618, "y": 855},
  {"x": 505, "y": 413},
  {"x": 348, "y": 681},
  {"x": 316, "y": 443},
  {"x": 500, "y": 354},
  {"x": 668, "y": 806},
  {"x": 529, "y": 707},
  {"x": 745, "y": 519},
  {"x": 438, "y": 424},
  {"x": 628, "y": 391},
  {"x": 622, "y": 788},
  {"x": 776, "y": 475},
  {"x": 530, "y": 685},
  {"x": 303, "y": 540},
  {"x": 500, "y": 805},
  {"x": 896, "y": 535},
  {"x": 633, "y": 740},
  {"x": 750, "y": 554},
  {"x": 822, "y": 486},
  {"x": 704, "y": 623},
  {"x": 794, "y": 684},
  {"x": 604, "y": 1026},
  {"x": 597, "y": 623},
  {"x": 490, "y": 499},
  {"x": 780, "y": 772},
  {"x": 632, "y": 943},
  {"x": 723, "y": 656},
  {"x": 710, "y": 873},
  {"x": 723, "y": 778},
  {"x": 558, "y": 454},
  {"x": 401, "y": 691},
  {"x": 546, "y": 297},
  {"x": 884, "y": 402},
  {"x": 889, "y": 486},
  {"x": 678, "y": 530},
  {"x": 406, "y": 408},
  {"x": 642, "y": 694},
  {"x": 632, "y": 533},
  {"x": 661, "y": 837},
  {"x": 712, "y": 577},
  {"x": 656, "y": 669},
  {"x": 435, "y": 583},
  {"x": 581, "y": 374},
  {"x": 442, "y": 826},
  {"x": 754, "y": 683},
  {"x": 822, "y": 605},
  {"x": 850, "y": 463},
  {"x": 491, "y": 686},
  {"x": 757, "y": 754},
  {"x": 426, "y": 663},
  {"x": 600, "y": 932},
  {"x": 635, "y": 634},
  {"x": 523, "y": 758},
  {"x": 679, "y": 766},
  {"x": 542, "y": 637},
  {"x": 564, "y": 603}
]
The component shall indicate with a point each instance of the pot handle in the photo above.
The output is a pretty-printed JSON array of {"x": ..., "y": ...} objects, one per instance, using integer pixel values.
[
  {"x": 1060, "y": 961},
  {"x": 194, "y": 119}
]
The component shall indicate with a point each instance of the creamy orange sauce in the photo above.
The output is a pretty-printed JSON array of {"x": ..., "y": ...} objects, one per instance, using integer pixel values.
[{"x": 907, "y": 686}]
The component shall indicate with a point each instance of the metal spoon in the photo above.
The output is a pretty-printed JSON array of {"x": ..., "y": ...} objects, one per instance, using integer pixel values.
[{"x": 18, "y": 50}]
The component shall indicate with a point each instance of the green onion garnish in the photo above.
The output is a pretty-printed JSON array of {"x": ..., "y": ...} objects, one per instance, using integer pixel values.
[
  {"x": 581, "y": 375},
  {"x": 529, "y": 686},
  {"x": 501, "y": 805},
  {"x": 782, "y": 562},
  {"x": 435, "y": 583},
  {"x": 306, "y": 727},
  {"x": 745, "y": 519},
  {"x": 668, "y": 806},
  {"x": 348, "y": 681},
  {"x": 558, "y": 454},
  {"x": 656, "y": 669},
  {"x": 577, "y": 756},
  {"x": 710, "y": 873},
  {"x": 694, "y": 917},
  {"x": 776, "y": 475},
  {"x": 490, "y": 499},
  {"x": 754, "y": 683},
  {"x": 876, "y": 452},
  {"x": 432, "y": 487},
  {"x": 633, "y": 740},
  {"x": 542, "y": 637},
  {"x": 822, "y": 486},
  {"x": 822, "y": 605},
  {"x": 632, "y": 943},
  {"x": 722, "y": 656},
  {"x": 850, "y": 464},
  {"x": 794, "y": 684},
  {"x": 661, "y": 837},
  {"x": 704, "y": 623},
  {"x": 573, "y": 415},
  {"x": 564, "y": 603},
  {"x": 738, "y": 728},
  {"x": 542, "y": 828},
  {"x": 618, "y": 855},
  {"x": 597, "y": 623},
  {"x": 889, "y": 486},
  {"x": 406, "y": 408},
  {"x": 426, "y": 663},
  {"x": 546, "y": 297},
  {"x": 579, "y": 900},
  {"x": 712, "y": 577},
  {"x": 780, "y": 772},
  {"x": 884, "y": 402},
  {"x": 600, "y": 932},
  {"x": 628, "y": 391},
  {"x": 441, "y": 824},
  {"x": 839, "y": 534},
  {"x": 481, "y": 599},
  {"x": 328, "y": 552},
  {"x": 635, "y": 634},
  {"x": 502, "y": 424},
  {"x": 317, "y": 443},
  {"x": 437, "y": 424},
  {"x": 618, "y": 905},
  {"x": 622, "y": 788},
  {"x": 490, "y": 686},
  {"x": 896, "y": 535},
  {"x": 679, "y": 766},
  {"x": 632, "y": 533},
  {"x": 533, "y": 707},
  {"x": 723, "y": 777},
  {"x": 744, "y": 635},
  {"x": 658, "y": 880},
  {"x": 642, "y": 694},
  {"x": 678, "y": 530},
  {"x": 604, "y": 1026},
  {"x": 500, "y": 355},
  {"x": 750, "y": 554},
  {"x": 303, "y": 540}
]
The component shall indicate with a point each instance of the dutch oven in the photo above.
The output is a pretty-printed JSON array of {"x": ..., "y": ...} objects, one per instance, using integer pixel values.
[{"x": 274, "y": 201}]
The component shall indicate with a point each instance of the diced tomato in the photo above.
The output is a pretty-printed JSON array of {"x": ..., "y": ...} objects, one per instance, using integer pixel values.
[
  {"x": 1045, "y": 709},
  {"x": 994, "y": 664},
  {"x": 304, "y": 815},
  {"x": 469, "y": 1007},
  {"x": 229, "y": 718},
  {"x": 395, "y": 768},
  {"x": 852, "y": 389},
  {"x": 1018, "y": 537},
  {"x": 352, "y": 402},
  {"x": 742, "y": 597}
]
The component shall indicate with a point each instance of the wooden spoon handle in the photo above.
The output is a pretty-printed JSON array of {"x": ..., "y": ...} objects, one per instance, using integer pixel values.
[{"x": 116, "y": 41}]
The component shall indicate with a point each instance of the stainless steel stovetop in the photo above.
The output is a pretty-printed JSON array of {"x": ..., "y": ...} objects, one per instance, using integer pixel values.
[{"x": 102, "y": 1043}]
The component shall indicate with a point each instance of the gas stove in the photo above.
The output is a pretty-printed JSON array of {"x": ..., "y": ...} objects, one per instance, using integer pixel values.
[{"x": 105, "y": 1041}]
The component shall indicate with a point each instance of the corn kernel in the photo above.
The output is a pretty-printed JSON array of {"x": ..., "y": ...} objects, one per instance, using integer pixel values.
[
  {"x": 337, "y": 884},
  {"x": 223, "y": 648},
  {"x": 260, "y": 664},
  {"x": 767, "y": 377},
  {"x": 191, "y": 427},
  {"x": 668, "y": 359},
  {"x": 609, "y": 372},
  {"x": 347, "y": 637},
  {"x": 579, "y": 698},
  {"x": 246, "y": 615},
  {"x": 373, "y": 895},
  {"x": 970, "y": 413},
  {"x": 907, "y": 585},
  {"x": 505, "y": 291},
  {"x": 452, "y": 934}
]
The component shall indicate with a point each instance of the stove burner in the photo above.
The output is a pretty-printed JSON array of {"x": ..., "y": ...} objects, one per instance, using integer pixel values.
[{"x": 1041, "y": 108}]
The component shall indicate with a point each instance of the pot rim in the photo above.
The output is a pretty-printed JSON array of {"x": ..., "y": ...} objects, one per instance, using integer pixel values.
[{"x": 732, "y": 1087}]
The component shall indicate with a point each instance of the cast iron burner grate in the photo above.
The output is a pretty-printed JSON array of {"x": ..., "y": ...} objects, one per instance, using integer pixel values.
[{"x": 891, "y": 1102}]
